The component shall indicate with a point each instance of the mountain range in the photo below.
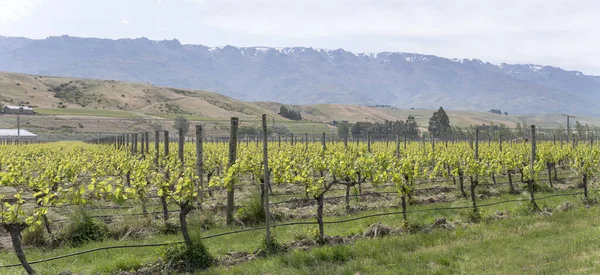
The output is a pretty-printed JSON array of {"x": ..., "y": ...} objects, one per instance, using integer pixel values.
[{"x": 300, "y": 75}]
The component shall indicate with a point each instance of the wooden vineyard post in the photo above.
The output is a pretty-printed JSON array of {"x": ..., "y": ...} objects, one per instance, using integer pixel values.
[
  {"x": 163, "y": 198},
  {"x": 398, "y": 146},
  {"x": 323, "y": 142},
  {"x": 156, "y": 148},
  {"x": 232, "y": 157},
  {"x": 346, "y": 141},
  {"x": 127, "y": 141},
  {"x": 532, "y": 165},
  {"x": 368, "y": 142},
  {"x": 404, "y": 142},
  {"x": 475, "y": 181},
  {"x": 147, "y": 137},
  {"x": 266, "y": 182},
  {"x": 181, "y": 142},
  {"x": 279, "y": 140},
  {"x": 166, "y": 143},
  {"x": 199, "y": 164},
  {"x": 135, "y": 143},
  {"x": 306, "y": 141},
  {"x": 500, "y": 142},
  {"x": 292, "y": 140},
  {"x": 143, "y": 145}
]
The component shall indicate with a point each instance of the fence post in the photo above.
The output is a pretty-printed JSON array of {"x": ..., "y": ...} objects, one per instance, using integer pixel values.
[
  {"x": 156, "y": 147},
  {"x": 199, "y": 164},
  {"x": 163, "y": 198},
  {"x": 135, "y": 143},
  {"x": 147, "y": 136},
  {"x": 166, "y": 142},
  {"x": 346, "y": 141},
  {"x": 266, "y": 181},
  {"x": 532, "y": 164},
  {"x": 323, "y": 142},
  {"x": 306, "y": 141},
  {"x": 127, "y": 142},
  {"x": 232, "y": 157},
  {"x": 368, "y": 142},
  {"x": 180, "y": 148},
  {"x": 143, "y": 145},
  {"x": 475, "y": 182},
  {"x": 500, "y": 142},
  {"x": 397, "y": 146}
]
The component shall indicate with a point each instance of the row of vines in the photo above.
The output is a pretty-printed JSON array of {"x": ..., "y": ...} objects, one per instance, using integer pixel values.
[{"x": 38, "y": 177}]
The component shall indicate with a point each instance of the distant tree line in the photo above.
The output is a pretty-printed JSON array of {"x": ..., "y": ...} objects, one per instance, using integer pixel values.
[
  {"x": 498, "y": 111},
  {"x": 387, "y": 129},
  {"x": 379, "y": 106}
]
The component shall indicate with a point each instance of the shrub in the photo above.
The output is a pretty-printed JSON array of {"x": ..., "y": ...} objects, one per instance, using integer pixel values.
[
  {"x": 272, "y": 247},
  {"x": 206, "y": 221},
  {"x": 84, "y": 229},
  {"x": 182, "y": 258},
  {"x": 36, "y": 236},
  {"x": 168, "y": 228},
  {"x": 253, "y": 213}
]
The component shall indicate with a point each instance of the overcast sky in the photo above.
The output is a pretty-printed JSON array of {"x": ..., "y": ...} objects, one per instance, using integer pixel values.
[{"x": 550, "y": 32}]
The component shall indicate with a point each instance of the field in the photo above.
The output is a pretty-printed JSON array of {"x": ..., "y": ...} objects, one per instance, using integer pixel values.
[
  {"x": 70, "y": 106},
  {"x": 367, "y": 208}
]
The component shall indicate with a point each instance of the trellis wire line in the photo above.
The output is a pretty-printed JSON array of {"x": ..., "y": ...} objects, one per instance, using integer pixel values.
[{"x": 282, "y": 225}]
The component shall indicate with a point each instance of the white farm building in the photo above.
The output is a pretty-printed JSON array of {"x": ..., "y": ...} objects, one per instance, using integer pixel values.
[
  {"x": 12, "y": 134},
  {"x": 17, "y": 110}
]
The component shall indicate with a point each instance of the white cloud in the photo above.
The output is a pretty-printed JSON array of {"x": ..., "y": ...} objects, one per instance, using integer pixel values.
[
  {"x": 125, "y": 22},
  {"x": 13, "y": 10},
  {"x": 550, "y": 32},
  {"x": 557, "y": 32}
]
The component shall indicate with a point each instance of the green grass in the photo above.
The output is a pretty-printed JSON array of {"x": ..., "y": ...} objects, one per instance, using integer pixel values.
[
  {"x": 86, "y": 112},
  {"x": 564, "y": 243},
  {"x": 531, "y": 242}
]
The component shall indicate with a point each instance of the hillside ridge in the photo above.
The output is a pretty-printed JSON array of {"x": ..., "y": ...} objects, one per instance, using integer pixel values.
[{"x": 303, "y": 75}]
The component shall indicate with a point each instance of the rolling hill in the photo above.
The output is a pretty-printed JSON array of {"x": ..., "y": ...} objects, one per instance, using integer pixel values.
[
  {"x": 300, "y": 75},
  {"x": 72, "y": 106}
]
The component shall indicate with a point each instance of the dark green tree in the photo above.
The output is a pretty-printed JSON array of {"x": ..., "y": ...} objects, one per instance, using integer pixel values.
[
  {"x": 439, "y": 123},
  {"x": 343, "y": 129},
  {"x": 182, "y": 123},
  {"x": 289, "y": 113}
]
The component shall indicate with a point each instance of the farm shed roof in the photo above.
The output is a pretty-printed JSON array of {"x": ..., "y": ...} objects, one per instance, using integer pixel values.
[
  {"x": 14, "y": 133},
  {"x": 12, "y": 107}
]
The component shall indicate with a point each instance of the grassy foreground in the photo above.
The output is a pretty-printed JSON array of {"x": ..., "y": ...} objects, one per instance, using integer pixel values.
[{"x": 564, "y": 243}]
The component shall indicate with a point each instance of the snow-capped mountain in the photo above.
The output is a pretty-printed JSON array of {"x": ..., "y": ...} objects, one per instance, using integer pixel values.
[{"x": 300, "y": 75}]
